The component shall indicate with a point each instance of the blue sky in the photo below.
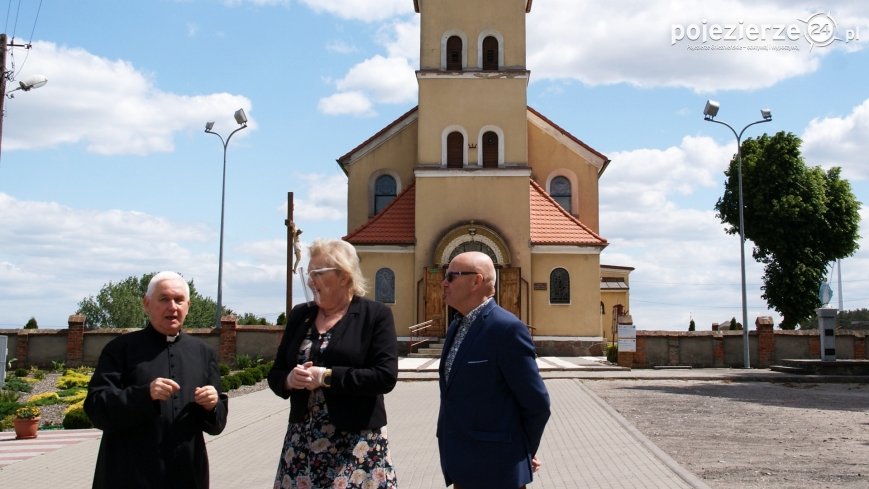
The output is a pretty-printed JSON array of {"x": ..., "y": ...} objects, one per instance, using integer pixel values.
[{"x": 106, "y": 172}]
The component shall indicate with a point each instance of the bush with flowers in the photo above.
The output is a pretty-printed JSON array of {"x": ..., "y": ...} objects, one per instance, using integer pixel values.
[{"x": 27, "y": 412}]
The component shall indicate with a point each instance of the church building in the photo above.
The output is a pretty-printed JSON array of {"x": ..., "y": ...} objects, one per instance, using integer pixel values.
[{"x": 473, "y": 167}]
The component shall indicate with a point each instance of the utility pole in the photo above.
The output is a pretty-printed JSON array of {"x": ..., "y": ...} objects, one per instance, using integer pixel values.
[{"x": 3, "y": 48}]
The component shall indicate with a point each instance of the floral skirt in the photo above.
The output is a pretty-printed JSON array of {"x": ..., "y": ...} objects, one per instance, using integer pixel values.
[{"x": 316, "y": 456}]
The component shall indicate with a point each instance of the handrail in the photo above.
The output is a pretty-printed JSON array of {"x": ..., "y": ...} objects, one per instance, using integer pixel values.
[{"x": 416, "y": 334}]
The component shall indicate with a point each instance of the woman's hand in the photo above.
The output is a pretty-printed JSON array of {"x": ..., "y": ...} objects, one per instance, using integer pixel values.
[{"x": 300, "y": 377}]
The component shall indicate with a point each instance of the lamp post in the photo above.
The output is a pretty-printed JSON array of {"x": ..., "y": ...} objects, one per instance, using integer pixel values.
[
  {"x": 709, "y": 113},
  {"x": 241, "y": 119},
  {"x": 26, "y": 85}
]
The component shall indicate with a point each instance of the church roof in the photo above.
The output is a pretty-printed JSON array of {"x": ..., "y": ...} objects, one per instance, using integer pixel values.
[
  {"x": 550, "y": 223},
  {"x": 394, "y": 225},
  {"x": 527, "y": 6}
]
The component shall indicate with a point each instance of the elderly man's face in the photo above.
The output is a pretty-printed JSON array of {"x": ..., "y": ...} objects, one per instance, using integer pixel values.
[{"x": 167, "y": 307}]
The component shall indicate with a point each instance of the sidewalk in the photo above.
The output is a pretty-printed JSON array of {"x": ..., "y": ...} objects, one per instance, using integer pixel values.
[{"x": 587, "y": 444}]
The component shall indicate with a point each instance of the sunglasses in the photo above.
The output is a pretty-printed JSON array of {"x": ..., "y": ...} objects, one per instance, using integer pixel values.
[{"x": 450, "y": 276}]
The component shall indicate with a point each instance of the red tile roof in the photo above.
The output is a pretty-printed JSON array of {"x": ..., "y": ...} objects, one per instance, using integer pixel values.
[
  {"x": 394, "y": 225},
  {"x": 552, "y": 225}
]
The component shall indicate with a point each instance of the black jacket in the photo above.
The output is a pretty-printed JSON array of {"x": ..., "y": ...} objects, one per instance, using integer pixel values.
[
  {"x": 363, "y": 356},
  {"x": 146, "y": 443}
]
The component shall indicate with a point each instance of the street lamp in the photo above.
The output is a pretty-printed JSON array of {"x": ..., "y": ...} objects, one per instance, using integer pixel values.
[
  {"x": 709, "y": 113},
  {"x": 241, "y": 119}
]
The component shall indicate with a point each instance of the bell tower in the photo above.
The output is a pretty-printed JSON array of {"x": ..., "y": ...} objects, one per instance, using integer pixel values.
[{"x": 472, "y": 84}]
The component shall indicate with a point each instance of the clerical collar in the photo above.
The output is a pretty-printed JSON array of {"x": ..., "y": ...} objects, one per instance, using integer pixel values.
[{"x": 171, "y": 339}]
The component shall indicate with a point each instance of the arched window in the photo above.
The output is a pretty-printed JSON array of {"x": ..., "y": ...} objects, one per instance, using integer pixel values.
[
  {"x": 384, "y": 286},
  {"x": 454, "y": 53},
  {"x": 455, "y": 150},
  {"x": 559, "y": 189},
  {"x": 490, "y": 54},
  {"x": 384, "y": 192},
  {"x": 490, "y": 149},
  {"x": 559, "y": 286}
]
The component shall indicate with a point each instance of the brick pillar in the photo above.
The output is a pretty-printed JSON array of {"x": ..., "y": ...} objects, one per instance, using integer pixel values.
[
  {"x": 718, "y": 350},
  {"x": 859, "y": 347},
  {"x": 228, "y": 331},
  {"x": 75, "y": 340},
  {"x": 765, "y": 341},
  {"x": 21, "y": 349}
]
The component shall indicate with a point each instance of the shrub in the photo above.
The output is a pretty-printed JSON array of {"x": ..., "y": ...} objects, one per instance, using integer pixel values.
[
  {"x": 229, "y": 382},
  {"x": 44, "y": 399},
  {"x": 247, "y": 377},
  {"x": 21, "y": 372},
  {"x": 243, "y": 361},
  {"x": 8, "y": 403},
  {"x": 612, "y": 353},
  {"x": 17, "y": 384},
  {"x": 72, "y": 395},
  {"x": 28, "y": 412},
  {"x": 224, "y": 369},
  {"x": 73, "y": 378},
  {"x": 37, "y": 374},
  {"x": 57, "y": 366},
  {"x": 74, "y": 418}
]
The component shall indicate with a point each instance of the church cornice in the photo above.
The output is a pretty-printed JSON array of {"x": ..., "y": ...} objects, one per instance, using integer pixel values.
[{"x": 527, "y": 6}]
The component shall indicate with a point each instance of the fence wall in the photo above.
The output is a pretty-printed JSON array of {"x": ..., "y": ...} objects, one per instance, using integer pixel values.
[{"x": 702, "y": 349}]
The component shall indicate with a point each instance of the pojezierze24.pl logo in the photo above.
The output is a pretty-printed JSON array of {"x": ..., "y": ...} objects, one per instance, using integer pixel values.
[{"x": 819, "y": 30}]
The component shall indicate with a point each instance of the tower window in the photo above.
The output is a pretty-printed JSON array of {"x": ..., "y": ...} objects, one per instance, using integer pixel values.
[
  {"x": 454, "y": 53},
  {"x": 490, "y": 54},
  {"x": 490, "y": 149},
  {"x": 455, "y": 150}
]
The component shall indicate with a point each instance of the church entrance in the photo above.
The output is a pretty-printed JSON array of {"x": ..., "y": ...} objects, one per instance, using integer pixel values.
[{"x": 465, "y": 238}]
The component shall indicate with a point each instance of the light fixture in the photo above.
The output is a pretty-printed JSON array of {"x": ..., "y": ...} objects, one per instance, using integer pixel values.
[
  {"x": 242, "y": 121},
  {"x": 709, "y": 113}
]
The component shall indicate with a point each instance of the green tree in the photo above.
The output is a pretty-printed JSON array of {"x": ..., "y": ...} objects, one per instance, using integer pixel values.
[
  {"x": 799, "y": 219},
  {"x": 251, "y": 319},
  {"x": 119, "y": 305},
  {"x": 282, "y": 319},
  {"x": 692, "y": 326},
  {"x": 31, "y": 323}
]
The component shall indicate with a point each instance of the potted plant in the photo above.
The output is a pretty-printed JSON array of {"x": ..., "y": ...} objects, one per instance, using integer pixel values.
[{"x": 26, "y": 422}]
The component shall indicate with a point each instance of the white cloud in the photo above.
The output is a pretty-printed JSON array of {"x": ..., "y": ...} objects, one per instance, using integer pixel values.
[
  {"x": 364, "y": 10},
  {"x": 346, "y": 103},
  {"x": 326, "y": 198},
  {"x": 840, "y": 141},
  {"x": 116, "y": 108},
  {"x": 386, "y": 80},
  {"x": 340, "y": 47},
  {"x": 600, "y": 43}
]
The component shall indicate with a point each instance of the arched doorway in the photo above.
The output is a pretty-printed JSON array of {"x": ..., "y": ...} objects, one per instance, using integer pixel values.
[{"x": 472, "y": 237}]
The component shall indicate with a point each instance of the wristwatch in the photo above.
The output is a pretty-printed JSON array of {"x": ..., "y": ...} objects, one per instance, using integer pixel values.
[{"x": 327, "y": 378}]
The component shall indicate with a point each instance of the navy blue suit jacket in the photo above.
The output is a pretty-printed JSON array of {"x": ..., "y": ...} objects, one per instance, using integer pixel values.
[{"x": 494, "y": 406}]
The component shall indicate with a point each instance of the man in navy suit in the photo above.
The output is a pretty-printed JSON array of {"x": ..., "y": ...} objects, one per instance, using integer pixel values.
[{"x": 494, "y": 404}]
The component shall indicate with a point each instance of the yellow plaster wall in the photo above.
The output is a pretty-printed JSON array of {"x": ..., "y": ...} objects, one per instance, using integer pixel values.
[
  {"x": 397, "y": 154},
  {"x": 546, "y": 155},
  {"x": 473, "y": 104},
  {"x": 471, "y": 17},
  {"x": 445, "y": 202},
  {"x": 404, "y": 308},
  {"x": 582, "y": 316}
]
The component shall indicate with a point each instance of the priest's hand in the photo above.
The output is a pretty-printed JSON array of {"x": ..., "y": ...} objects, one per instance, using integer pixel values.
[
  {"x": 162, "y": 389},
  {"x": 206, "y": 397}
]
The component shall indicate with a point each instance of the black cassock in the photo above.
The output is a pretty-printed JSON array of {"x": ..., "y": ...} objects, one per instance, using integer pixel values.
[{"x": 146, "y": 443}]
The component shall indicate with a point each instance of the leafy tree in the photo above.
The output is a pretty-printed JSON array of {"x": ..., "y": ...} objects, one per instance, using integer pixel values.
[
  {"x": 282, "y": 319},
  {"x": 692, "y": 326},
  {"x": 250, "y": 319},
  {"x": 31, "y": 323},
  {"x": 119, "y": 305},
  {"x": 799, "y": 219}
]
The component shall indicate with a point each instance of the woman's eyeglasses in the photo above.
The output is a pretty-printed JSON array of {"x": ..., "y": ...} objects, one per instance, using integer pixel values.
[
  {"x": 312, "y": 274},
  {"x": 450, "y": 276}
]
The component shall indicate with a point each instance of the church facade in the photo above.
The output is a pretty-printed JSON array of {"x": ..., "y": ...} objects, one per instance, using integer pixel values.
[{"x": 473, "y": 167}]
